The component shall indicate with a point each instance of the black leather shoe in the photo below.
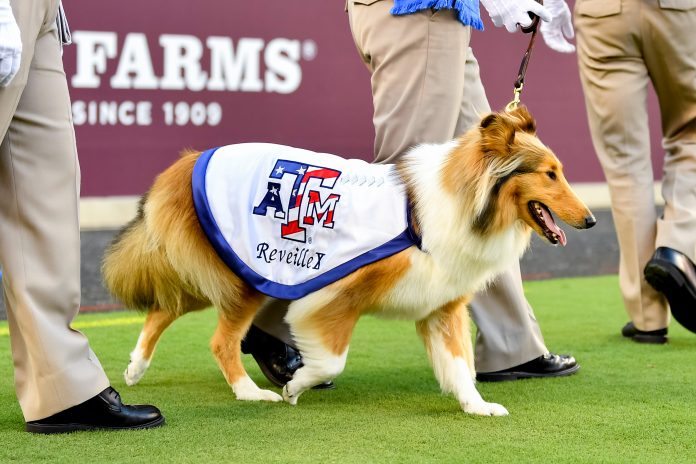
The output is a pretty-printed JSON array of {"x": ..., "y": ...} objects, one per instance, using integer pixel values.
[
  {"x": 277, "y": 361},
  {"x": 674, "y": 275},
  {"x": 547, "y": 365},
  {"x": 102, "y": 412},
  {"x": 644, "y": 336}
]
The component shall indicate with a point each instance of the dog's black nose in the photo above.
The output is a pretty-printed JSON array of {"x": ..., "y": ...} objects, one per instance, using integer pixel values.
[{"x": 590, "y": 221}]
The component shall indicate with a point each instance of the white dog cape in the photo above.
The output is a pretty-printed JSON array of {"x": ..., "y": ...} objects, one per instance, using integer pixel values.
[{"x": 290, "y": 221}]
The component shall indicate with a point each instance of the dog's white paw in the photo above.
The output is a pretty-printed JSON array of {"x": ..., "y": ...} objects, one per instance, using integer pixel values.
[
  {"x": 290, "y": 399},
  {"x": 260, "y": 395},
  {"x": 135, "y": 371},
  {"x": 482, "y": 408},
  {"x": 246, "y": 390}
]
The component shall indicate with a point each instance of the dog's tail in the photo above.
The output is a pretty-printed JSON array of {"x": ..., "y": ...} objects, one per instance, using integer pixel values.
[
  {"x": 125, "y": 267},
  {"x": 139, "y": 267}
]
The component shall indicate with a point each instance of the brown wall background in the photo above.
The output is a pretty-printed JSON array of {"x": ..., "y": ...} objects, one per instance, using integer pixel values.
[{"x": 331, "y": 109}]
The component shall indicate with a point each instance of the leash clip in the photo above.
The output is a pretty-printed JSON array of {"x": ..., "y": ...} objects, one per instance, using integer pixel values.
[
  {"x": 516, "y": 100},
  {"x": 519, "y": 83}
]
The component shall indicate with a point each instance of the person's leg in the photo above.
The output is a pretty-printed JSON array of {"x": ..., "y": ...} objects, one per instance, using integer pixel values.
[
  {"x": 40, "y": 243},
  {"x": 271, "y": 320},
  {"x": 615, "y": 80},
  {"x": 474, "y": 104},
  {"x": 426, "y": 88},
  {"x": 417, "y": 64},
  {"x": 60, "y": 384},
  {"x": 670, "y": 56},
  {"x": 270, "y": 342},
  {"x": 508, "y": 333}
]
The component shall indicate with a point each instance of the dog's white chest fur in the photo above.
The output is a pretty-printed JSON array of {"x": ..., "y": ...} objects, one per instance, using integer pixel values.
[
  {"x": 454, "y": 260},
  {"x": 431, "y": 282}
]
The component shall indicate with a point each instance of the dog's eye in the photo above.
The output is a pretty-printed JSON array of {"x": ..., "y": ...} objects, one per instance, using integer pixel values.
[{"x": 552, "y": 175}]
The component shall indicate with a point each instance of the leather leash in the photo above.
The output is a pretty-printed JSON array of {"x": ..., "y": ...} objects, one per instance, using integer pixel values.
[{"x": 519, "y": 83}]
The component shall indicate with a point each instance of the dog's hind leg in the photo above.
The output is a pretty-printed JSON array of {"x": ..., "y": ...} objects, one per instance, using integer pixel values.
[
  {"x": 322, "y": 327},
  {"x": 447, "y": 339},
  {"x": 233, "y": 323},
  {"x": 156, "y": 322}
]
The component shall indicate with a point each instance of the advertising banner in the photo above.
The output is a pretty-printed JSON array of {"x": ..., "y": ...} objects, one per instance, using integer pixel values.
[{"x": 150, "y": 79}]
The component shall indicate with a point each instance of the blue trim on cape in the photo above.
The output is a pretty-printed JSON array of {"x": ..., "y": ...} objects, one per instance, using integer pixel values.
[
  {"x": 405, "y": 240},
  {"x": 468, "y": 11}
]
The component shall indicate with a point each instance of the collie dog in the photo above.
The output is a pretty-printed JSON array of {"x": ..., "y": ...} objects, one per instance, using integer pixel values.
[{"x": 470, "y": 208}]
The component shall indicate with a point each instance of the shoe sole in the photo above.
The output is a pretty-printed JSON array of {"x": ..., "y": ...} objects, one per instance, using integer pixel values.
[
  {"x": 648, "y": 339},
  {"x": 324, "y": 386},
  {"x": 669, "y": 281},
  {"x": 506, "y": 376},
  {"x": 47, "y": 429}
]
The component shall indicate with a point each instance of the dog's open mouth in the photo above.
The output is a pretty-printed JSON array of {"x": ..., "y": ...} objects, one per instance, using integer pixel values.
[{"x": 542, "y": 216}]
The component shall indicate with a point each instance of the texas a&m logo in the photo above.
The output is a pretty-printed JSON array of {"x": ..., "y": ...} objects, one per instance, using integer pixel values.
[{"x": 303, "y": 206}]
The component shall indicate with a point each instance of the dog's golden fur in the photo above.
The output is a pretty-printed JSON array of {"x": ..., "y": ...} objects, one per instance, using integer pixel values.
[{"x": 486, "y": 186}]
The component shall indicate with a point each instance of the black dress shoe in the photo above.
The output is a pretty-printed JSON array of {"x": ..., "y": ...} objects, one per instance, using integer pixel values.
[
  {"x": 644, "y": 336},
  {"x": 547, "y": 365},
  {"x": 102, "y": 412},
  {"x": 277, "y": 361},
  {"x": 674, "y": 275}
]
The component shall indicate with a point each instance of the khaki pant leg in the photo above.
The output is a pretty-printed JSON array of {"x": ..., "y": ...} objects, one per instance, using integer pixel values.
[
  {"x": 39, "y": 231},
  {"x": 508, "y": 333},
  {"x": 417, "y": 64},
  {"x": 615, "y": 81},
  {"x": 426, "y": 94},
  {"x": 474, "y": 104},
  {"x": 271, "y": 319},
  {"x": 670, "y": 55}
]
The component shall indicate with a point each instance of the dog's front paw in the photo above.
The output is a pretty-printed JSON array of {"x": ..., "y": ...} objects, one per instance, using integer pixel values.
[
  {"x": 246, "y": 390},
  {"x": 260, "y": 395},
  {"x": 482, "y": 408},
  {"x": 289, "y": 398},
  {"x": 135, "y": 371}
]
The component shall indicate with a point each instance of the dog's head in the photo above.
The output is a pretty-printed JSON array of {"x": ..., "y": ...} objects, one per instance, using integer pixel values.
[{"x": 521, "y": 179}]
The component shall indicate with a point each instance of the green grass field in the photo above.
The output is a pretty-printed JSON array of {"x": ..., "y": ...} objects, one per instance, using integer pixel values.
[{"x": 628, "y": 403}]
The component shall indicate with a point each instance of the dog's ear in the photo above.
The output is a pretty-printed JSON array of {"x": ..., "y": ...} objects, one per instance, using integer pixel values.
[
  {"x": 522, "y": 120},
  {"x": 497, "y": 133}
]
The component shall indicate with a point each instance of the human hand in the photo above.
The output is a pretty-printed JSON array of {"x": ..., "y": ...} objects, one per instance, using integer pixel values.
[
  {"x": 510, "y": 13},
  {"x": 10, "y": 44},
  {"x": 560, "y": 28}
]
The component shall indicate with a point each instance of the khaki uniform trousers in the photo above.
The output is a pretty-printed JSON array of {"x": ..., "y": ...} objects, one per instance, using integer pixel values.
[
  {"x": 623, "y": 45},
  {"x": 39, "y": 229},
  {"x": 426, "y": 88}
]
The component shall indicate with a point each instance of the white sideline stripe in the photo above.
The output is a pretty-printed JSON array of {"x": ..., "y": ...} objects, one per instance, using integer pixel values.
[
  {"x": 5, "y": 331},
  {"x": 107, "y": 212},
  {"x": 596, "y": 194},
  {"x": 115, "y": 212}
]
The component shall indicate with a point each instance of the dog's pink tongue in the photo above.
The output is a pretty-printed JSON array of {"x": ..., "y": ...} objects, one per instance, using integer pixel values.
[{"x": 551, "y": 224}]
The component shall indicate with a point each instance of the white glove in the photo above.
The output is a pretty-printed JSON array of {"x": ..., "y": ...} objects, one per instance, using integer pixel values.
[
  {"x": 560, "y": 28},
  {"x": 510, "y": 13},
  {"x": 10, "y": 44}
]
